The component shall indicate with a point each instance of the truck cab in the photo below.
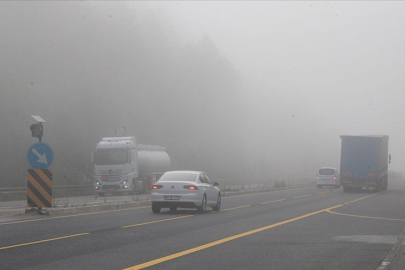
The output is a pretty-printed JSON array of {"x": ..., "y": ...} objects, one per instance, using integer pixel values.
[{"x": 115, "y": 165}]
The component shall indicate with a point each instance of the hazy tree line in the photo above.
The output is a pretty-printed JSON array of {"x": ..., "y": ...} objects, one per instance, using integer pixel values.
[{"x": 89, "y": 69}]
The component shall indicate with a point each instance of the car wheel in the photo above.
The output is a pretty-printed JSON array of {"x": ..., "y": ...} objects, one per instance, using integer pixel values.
[
  {"x": 155, "y": 209},
  {"x": 201, "y": 209},
  {"x": 173, "y": 208},
  {"x": 101, "y": 194},
  {"x": 218, "y": 206}
]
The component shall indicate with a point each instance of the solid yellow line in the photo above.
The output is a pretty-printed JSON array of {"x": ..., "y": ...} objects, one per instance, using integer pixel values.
[
  {"x": 156, "y": 221},
  {"x": 10, "y": 209},
  {"x": 369, "y": 217},
  {"x": 43, "y": 241},
  {"x": 302, "y": 196},
  {"x": 362, "y": 198},
  {"x": 224, "y": 240},
  {"x": 234, "y": 208},
  {"x": 68, "y": 216},
  {"x": 251, "y": 194},
  {"x": 273, "y": 201}
]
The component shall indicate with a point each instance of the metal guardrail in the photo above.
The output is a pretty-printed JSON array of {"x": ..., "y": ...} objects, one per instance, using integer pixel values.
[
  {"x": 68, "y": 187},
  {"x": 222, "y": 182}
]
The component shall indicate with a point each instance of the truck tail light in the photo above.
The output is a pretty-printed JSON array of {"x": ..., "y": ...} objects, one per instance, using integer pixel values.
[
  {"x": 334, "y": 177},
  {"x": 190, "y": 187},
  {"x": 156, "y": 186},
  {"x": 317, "y": 176}
]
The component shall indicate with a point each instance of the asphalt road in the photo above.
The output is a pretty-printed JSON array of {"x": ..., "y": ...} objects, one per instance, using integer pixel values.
[{"x": 303, "y": 228}]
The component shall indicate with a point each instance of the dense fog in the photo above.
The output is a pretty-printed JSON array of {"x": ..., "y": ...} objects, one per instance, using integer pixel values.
[{"x": 239, "y": 90}]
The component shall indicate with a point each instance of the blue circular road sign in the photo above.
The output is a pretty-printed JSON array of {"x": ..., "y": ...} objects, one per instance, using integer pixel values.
[{"x": 40, "y": 155}]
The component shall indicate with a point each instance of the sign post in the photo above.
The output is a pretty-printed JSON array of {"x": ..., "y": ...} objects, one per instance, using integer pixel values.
[{"x": 39, "y": 179}]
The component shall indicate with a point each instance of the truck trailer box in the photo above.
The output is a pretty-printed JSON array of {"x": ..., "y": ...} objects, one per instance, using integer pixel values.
[{"x": 364, "y": 162}]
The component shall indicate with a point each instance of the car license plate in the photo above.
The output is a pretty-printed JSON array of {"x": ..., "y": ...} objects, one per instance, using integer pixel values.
[{"x": 172, "y": 198}]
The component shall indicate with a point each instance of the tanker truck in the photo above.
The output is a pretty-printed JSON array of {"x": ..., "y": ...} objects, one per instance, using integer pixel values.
[{"x": 123, "y": 166}]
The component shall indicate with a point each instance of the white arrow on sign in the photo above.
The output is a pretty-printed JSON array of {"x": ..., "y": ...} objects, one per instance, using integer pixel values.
[{"x": 41, "y": 158}]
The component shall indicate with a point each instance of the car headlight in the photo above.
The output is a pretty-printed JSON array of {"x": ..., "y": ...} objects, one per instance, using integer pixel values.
[
  {"x": 124, "y": 182},
  {"x": 97, "y": 183}
]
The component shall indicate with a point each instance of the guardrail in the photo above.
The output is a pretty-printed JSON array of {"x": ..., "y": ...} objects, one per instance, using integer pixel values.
[
  {"x": 68, "y": 187},
  {"x": 19, "y": 193}
]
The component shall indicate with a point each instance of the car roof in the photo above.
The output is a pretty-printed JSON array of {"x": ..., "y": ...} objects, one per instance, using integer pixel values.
[
  {"x": 328, "y": 168},
  {"x": 193, "y": 172}
]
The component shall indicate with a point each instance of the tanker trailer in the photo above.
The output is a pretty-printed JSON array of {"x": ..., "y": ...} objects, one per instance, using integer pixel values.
[{"x": 123, "y": 166}]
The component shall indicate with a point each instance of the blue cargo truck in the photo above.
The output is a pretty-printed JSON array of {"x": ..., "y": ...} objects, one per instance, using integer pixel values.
[{"x": 364, "y": 162}]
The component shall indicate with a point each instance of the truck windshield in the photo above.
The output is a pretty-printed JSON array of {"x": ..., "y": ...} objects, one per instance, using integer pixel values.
[{"x": 111, "y": 156}]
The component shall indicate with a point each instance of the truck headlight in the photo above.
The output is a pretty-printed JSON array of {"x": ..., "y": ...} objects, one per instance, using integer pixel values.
[
  {"x": 97, "y": 183},
  {"x": 124, "y": 182}
]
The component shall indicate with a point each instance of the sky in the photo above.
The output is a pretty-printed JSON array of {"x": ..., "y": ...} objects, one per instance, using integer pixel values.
[{"x": 342, "y": 60}]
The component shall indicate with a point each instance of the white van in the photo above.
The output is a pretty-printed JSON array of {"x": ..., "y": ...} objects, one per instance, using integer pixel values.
[{"x": 327, "y": 176}]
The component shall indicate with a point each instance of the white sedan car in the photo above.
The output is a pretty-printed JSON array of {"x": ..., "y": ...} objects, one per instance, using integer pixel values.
[{"x": 185, "y": 189}]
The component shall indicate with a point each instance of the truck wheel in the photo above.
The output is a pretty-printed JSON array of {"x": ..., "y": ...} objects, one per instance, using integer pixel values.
[
  {"x": 133, "y": 191},
  {"x": 346, "y": 189},
  {"x": 173, "y": 208},
  {"x": 155, "y": 209}
]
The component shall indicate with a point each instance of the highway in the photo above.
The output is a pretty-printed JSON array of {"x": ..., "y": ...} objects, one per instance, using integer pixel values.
[{"x": 300, "y": 228}]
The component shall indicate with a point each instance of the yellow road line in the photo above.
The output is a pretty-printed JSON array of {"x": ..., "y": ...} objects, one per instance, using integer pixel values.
[
  {"x": 302, "y": 196},
  {"x": 43, "y": 241},
  {"x": 323, "y": 192},
  {"x": 68, "y": 216},
  {"x": 224, "y": 240},
  {"x": 11, "y": 209},
  {"x": 369, "y": 217},
  {"x": 273, "y": 201},
  {"x": 234, "y": 208},
  {"x": 362, "y": 198},
  {"x": 271, "y": 191},
  {"x": 155, "y": 221}
]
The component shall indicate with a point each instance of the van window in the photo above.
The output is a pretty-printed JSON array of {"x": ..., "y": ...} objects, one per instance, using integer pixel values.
[{"x": 326, "y": 171}]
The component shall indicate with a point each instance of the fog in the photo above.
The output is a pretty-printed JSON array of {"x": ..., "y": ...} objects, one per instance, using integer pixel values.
[{"x": 237, "y": 89}]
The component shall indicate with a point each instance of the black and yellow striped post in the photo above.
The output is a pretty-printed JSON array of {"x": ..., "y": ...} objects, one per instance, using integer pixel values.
[{"x": 39, "y": 192}]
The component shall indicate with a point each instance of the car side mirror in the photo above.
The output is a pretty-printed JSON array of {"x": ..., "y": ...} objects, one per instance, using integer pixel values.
[{"x": 216, "y": 184}]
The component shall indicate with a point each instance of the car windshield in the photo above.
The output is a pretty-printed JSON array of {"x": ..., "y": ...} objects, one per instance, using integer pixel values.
[
  {"x": 326, "y": 171},
  {"x": 188, "y": 177},
  {"x": 111, "y": 156}
]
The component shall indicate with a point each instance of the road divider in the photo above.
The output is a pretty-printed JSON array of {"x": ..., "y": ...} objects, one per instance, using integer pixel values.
[{"x": 63, "y": 211}]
